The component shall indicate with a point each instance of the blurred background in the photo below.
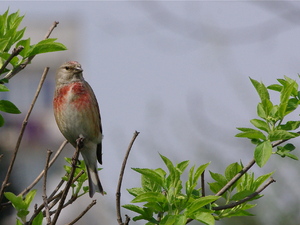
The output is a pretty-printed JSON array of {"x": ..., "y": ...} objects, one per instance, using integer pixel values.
[{"x": 177, "y": 72}]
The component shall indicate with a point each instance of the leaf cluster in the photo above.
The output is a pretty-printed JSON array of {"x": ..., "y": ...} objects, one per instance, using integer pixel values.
[
  {"x": 271, "y": 126},
  {"x": 242, "y": 188},
  {"x": 166, "y": 200},
  {"x": 21, "y": 204},
  {"x": 15, "y": 51}
]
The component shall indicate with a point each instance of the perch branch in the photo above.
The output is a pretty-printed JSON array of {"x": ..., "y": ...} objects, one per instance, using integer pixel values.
[
  {"x": 69, "y": 182},
  {"x": 48, "y": 218},
  {"x": 24, "y": 124},
  {"x": 118, "y": 192}
]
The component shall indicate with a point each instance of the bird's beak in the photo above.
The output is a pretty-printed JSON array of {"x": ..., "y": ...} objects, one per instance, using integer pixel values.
[{"x": 78, "y": 69}]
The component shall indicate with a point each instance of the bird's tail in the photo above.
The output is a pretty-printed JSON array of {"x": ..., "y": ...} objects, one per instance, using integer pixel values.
[
  {"x": 91, "y": 167},
  {"x": 94, "y": 181}
]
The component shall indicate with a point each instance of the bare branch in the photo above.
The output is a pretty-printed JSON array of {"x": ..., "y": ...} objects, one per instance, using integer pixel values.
[
  {"x": 69, "y": 182},
  {"x": 42, "y": 173},
  {"x": 14, "y": 53},
  {"x": 202, "y": 184},
  {"x": 236, "y": 178},
  {"x": 84, "y": 212},
  {"x": 249, "y": 197},
  {"x": 5, "y": 182},
  {"x": 48, "y": 218},
  {"x": 118, "y": 192}
]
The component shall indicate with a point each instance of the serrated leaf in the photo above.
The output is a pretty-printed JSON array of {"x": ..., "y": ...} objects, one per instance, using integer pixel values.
[
  {"x": 262, "y": 153},
  {"x": 9, "y": 107}
]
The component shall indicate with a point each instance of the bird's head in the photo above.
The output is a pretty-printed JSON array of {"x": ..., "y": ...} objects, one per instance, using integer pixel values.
[{"x": 69, "y": 72}]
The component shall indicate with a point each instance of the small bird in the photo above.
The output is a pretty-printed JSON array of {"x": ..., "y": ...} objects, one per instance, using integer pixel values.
[{"x": 77, "y": 114}]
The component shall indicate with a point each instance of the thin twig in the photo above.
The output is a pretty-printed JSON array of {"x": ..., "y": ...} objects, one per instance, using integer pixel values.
[
  {"x": 28, "y": 60},
  {"x": 24, "y": 124},
  {"x": 14, "y": 53},
  {"x": 42, "y": 173},
  {"x": 249, "y": 197},
  {"x": 83, "y": 212},
  {"x": 202, "y": 184},
  {"x": 69, "y": 182},
  {"x": 118, "y": 192},
  {"x": 236, "y": 178},
  {"x": 48, "y": 218}
]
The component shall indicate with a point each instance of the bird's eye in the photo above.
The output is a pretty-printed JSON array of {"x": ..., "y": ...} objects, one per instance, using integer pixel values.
[{"x": 67, "y": 68}]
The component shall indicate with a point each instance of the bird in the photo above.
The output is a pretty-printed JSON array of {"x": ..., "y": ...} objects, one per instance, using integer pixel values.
[{"x": 77, "y": 115}]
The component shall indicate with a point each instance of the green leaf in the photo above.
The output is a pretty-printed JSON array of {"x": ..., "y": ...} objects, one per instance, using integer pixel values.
[
  {"x": 9, "y": 107},
  {"x": 260, "y": 124},
  {"x": 275, "y": 87},
  {"x": 26, "y": 45},
  {"x": 199, "y": 171},
  {"x": 17, "y": 201},
  {"x": 135, "y": 191},
  {"x": 232, "y": 170},
  {"x": 3, "y": 88},
  {"x": 261, "y": 90},
  {"x": 250, "y": 133},
  {"x": 150, "y": 197},
  {"x": 182, "y": 166},
  {"x": 44, "y": 46},
  {"x": 199, "y": 203},
  {"x": 290, "y": 125},
  {"x": 29, "y": 197},
  {"x": 173, "y": 220},
  {"x": 240, "y": 195},
  {"x": 38, "y": 220},
  {"x": 284, "y": 98},
  {"x": 262, "y": 153},
  {"x": 219, "y": 178},
  {"x": 134, "y": 208},
  {"x": 204, "y": 217},
  {"x": 261, "y": 179},
  {"x": 151, "y": 174},
  {"x": 281, "y": 135}
]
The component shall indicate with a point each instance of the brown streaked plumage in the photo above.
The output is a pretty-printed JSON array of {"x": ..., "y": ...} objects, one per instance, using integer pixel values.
[{"x": 76, "y": 112}]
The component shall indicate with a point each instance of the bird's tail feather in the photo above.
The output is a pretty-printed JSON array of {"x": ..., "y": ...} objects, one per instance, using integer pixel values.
[{"x": 94, "y": 182}]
